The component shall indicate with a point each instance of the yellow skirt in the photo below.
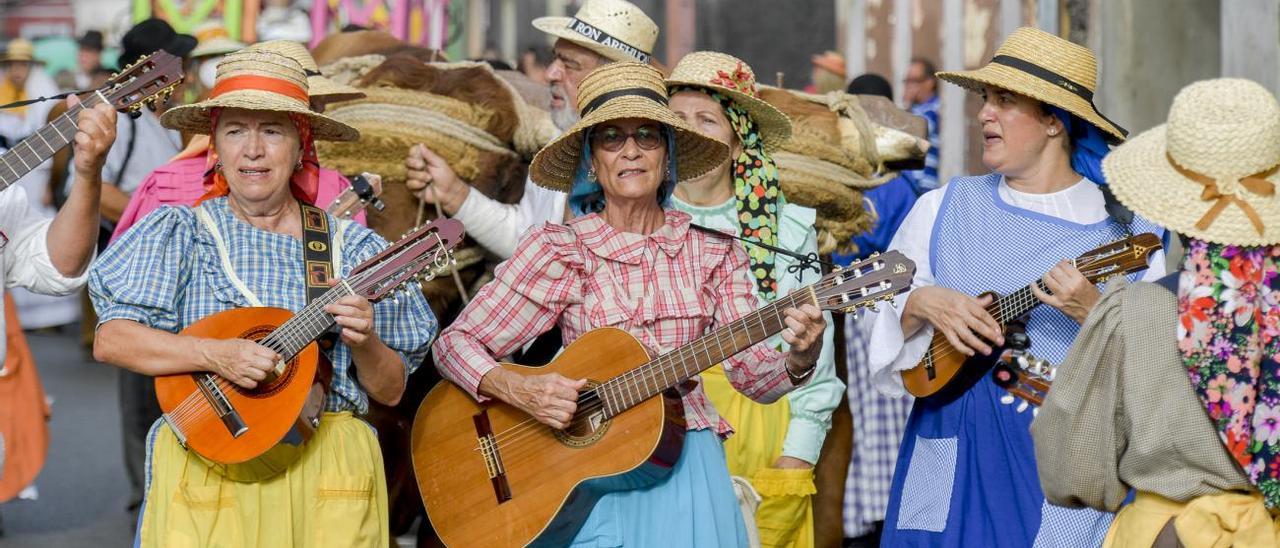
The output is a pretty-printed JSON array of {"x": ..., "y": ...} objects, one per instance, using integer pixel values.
[
  {"x": 785, "y": 515},
  {"x": 1214, "y": 521},
  {"x": 335, "y": 495}
]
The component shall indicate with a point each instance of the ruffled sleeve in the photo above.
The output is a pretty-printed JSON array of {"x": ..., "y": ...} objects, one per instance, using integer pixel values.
[
  {"x": 759, "y": 373},
  {"x": 812, "y": 404},
  {"x": 142, "y": 276},
  {"x": 526, "y": 297}
]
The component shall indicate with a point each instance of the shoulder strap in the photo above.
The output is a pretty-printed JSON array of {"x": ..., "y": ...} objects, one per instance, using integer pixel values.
[
  {"x": 1116, "y": 210},
  {"x": 804, "y": 261},
  {"x": 316, "y": 251},
  {"x": 128, "y": 151}
]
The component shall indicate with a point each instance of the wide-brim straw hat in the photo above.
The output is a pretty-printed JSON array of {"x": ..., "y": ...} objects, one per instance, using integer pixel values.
[
  {"x": 729, "y": 76},
  {"x": 321, "y": 87},
  {"x": 1047, "y": 68},
  {"x": 1210, "y": 167},
  {"x": 19, "y": 49},
  {"x": 613, "y": 28},
  {"x": 213, "y": 39},
  {"x": 258, "y": 80},
  {"x": 614, "y": 92}
]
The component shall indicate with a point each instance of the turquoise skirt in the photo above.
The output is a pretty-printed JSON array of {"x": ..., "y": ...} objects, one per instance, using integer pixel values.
[{"x": 694, "y": 506}]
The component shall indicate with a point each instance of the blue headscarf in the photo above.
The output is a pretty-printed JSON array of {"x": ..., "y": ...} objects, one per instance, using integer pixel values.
[
  {"x": 1088, "y": 144},
  {"x": 587, "y": 196}
]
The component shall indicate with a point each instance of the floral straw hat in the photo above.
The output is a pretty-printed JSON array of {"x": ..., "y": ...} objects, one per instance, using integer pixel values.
[
  {"x": 1211, "y": 170},
  {"x": 613, "y": 28},
  {"x": 1045, "y": 67},
  {"x": 729, "y": 76},
  {"x": 258, "y": 80},
  {"x": 617, "y": 91}
]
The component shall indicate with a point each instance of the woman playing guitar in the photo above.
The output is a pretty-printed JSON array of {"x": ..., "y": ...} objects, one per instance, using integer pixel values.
[
  {"x": 242, "y": 246},
  {"x": 965, "y": 474}
]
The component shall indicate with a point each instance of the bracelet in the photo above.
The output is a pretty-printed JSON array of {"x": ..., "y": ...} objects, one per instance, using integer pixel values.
[{"x": 797, "y": 379}]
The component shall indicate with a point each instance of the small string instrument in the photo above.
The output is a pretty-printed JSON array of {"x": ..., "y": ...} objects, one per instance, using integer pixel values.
[
  {"x": 251, "y": 435},
  {"x": 943, "y": 371},
  {"x": 143, "y": 83},
  {"x": 490, "y": 475},
  {"x": 1025, "y": 376},
  {"x": 361, "y": 194}
]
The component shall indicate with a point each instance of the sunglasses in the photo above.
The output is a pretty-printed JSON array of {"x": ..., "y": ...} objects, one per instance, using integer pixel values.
[{"x": 612, "y": 138}]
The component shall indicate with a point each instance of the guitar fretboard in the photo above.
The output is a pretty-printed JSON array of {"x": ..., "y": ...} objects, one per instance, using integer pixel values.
[
  {"x": 1012, "y": 306},
  {"x": 41, "y": 145},
  {"x": 669, "y": 370},
  {"x": 307, "y": 325}
]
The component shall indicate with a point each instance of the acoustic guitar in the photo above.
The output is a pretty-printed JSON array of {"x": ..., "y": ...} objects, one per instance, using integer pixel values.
[
  {"x": 490, "y": 475},
  {"x": 251, "y": 435},
  {"x": 945, "y": 371},
  {"x": 141, "y": 84}
]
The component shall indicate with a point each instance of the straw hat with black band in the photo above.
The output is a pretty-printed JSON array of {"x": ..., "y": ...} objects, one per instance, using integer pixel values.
[
  {"x": 1210, "y": 172},
  {"x": 258, "y": 80},
  {"x": 617, "y": 91},
  {"x": 320, "y": 88},
  {"x": 615, "y": 29},
  {"x": 1047, "y": 68}
]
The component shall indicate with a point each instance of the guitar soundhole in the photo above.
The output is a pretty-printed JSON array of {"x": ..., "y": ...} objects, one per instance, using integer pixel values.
[
  {"x": 589, "y": 424},
  {"x": 269, "y": 388}
]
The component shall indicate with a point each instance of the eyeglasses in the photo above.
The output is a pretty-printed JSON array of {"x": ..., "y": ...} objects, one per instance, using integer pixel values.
[{"x": 612, "y": 138}]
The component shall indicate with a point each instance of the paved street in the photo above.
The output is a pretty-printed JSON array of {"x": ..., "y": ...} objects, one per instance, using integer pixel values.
[{"x": 83, "y": 488}]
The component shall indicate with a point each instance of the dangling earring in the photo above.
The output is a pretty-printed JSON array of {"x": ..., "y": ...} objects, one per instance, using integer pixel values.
[
  {"x": 217, "y": 166},
  {"x": 299, "y": 166},
  {"x": 591, "y": 175}
]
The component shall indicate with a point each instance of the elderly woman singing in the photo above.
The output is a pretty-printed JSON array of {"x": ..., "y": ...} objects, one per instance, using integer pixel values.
[
  {"x": 628, "y": 261},
  {"x": 242, "y": 246}
]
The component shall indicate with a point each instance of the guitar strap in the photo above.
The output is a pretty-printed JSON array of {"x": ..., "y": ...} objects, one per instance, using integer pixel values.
[{"x": 317, "y": 257}]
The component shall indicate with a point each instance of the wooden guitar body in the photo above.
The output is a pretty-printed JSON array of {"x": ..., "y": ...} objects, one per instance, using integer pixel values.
[
  {"x": 543, "y": 483},
  {"x": 269, "y": 441},
  {"x": 945, "y": 372}
]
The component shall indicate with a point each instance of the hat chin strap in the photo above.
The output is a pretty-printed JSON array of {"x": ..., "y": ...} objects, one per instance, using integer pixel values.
[{"x": 1256, "y": 184}]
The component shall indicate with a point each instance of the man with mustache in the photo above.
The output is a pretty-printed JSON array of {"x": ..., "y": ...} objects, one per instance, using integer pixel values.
[{"x": 603, "y": 31}]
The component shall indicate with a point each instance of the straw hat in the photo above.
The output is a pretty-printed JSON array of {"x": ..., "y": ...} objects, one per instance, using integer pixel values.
[
  {"x": 613, "y": 28},
  {"x": 830, "y": 61},
  {"x": 230, "y": 90},
  {"x": 728, "y": 75},
  {"x": 321, "y": 88},
  {"x": 19, "y": 49},
  {"x": 213, "y": 39},
  {"x": 1045, "y": 67},
  {"x": 1211, "y": 171},
  {"x": 617, "y": 91}
]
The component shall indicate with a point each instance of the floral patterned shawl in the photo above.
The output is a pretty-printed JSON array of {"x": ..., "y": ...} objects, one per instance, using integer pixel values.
[{"x": 1229, "y": 337}]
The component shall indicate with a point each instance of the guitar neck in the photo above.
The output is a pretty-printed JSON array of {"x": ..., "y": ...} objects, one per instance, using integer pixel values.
[
  {"x": 1012, "y": 306},
  {"x": 41, "y": 145},
  {"x": 307, "y": 325},
  {"x": 669, "y": 370}
]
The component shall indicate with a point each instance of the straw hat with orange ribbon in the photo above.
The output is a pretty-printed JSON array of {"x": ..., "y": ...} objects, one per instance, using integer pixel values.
[
  {"x": 321, "y": 88},
  {"x": 1047, "y": 68},
  {"x": 1210, "y": 172},
  {"x": 616, "y": 29},
  {"x": 258, "y": 80},
  {"x": 617, "y": 91}
]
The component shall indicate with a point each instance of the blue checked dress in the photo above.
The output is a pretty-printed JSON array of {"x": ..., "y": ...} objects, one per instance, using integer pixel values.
[
  {"x": 166, "y": 274},
  {"x": 966, "y": 472}
]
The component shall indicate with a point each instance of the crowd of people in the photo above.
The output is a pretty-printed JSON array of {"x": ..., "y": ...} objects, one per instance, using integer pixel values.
[{"x": 655, "y": 206}]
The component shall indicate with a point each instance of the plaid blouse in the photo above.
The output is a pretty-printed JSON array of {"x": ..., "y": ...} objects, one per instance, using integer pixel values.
[
  {"x": 665, "y": 288},
  {"x": 165, "y": 273}
]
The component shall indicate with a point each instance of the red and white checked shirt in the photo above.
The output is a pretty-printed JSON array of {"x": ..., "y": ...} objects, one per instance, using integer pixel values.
[{"x": 666, "y": 289}]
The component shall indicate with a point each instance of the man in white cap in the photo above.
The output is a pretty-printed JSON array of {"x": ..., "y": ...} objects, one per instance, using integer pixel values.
[{"x": 603, "y": 31}]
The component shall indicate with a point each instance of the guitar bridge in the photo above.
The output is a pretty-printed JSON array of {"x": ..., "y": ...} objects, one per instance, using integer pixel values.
[
  {"x": 208, "y": 386},
  {"x": 929, "y": 370},
  {"x": 492, "y": 458}
]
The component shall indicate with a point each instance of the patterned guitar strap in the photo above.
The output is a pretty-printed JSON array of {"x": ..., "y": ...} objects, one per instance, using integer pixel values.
[{"x": 318, "y": 264}]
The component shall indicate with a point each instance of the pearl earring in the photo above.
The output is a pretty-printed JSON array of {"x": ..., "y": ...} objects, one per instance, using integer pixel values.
[{"x": 591, "y": 175}]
